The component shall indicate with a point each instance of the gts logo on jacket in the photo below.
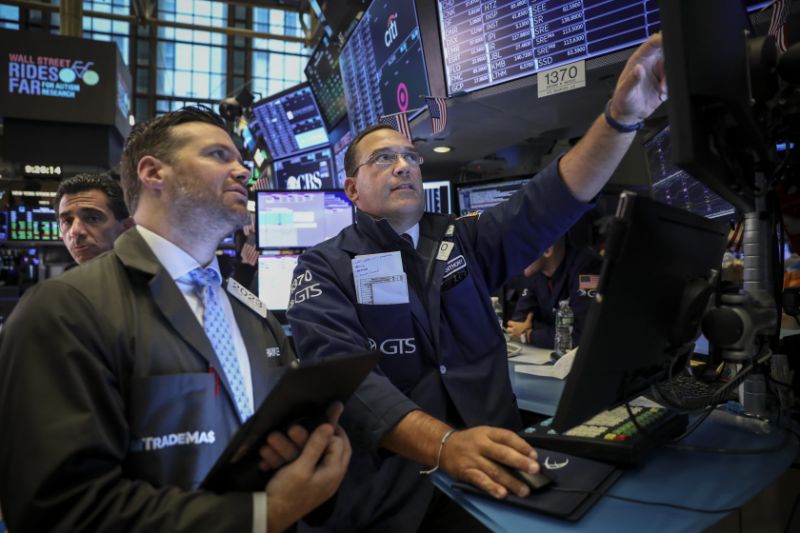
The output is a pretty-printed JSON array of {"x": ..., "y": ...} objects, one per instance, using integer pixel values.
[
  {"x": 394, "y": 346},
  {"x": 186, "y": 438}
]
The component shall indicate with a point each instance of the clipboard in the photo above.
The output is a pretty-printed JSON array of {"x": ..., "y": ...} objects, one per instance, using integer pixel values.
[{"x": 302, "y": 393}]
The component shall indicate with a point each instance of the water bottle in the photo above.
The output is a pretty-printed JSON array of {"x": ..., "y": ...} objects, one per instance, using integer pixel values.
[{"x": 564, "y": 323}]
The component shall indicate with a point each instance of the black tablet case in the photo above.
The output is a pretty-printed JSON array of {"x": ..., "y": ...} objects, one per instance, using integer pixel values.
[
  {"x": 590, "y": 479},
  {"x": 303, "y": 392}
]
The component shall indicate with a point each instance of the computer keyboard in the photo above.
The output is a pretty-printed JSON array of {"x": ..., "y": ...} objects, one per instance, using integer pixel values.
[{"x": 612, "y": 436}]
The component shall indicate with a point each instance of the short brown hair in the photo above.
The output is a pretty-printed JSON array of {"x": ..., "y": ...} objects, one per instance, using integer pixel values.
[
  {"x": 91, "y": 182},
  {"x": 350, "y": 162},
  {"x": 154, "y": 138}
]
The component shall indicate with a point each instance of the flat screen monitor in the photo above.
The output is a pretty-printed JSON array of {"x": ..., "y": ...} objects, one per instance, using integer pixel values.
[
  {"x": 308, "y": 171},
  {"x": 3, "y": 225},
  {"x": 382, "y": 64},
  {"x": 653, "y": 289},
  {"x": 325, "y": 79},
  {"x": 340, "y": 138},
  {"x": 290, "y": 122},
  {"x": 486, "y": 42},
  {"x": 438, "y": 197},
  {"x": 33, "y": 223},
  {"x": 275, "y": 279},
  {"x": 477, "y": 197},
  {"x": 300, "y": 219},
  {"x": 674, "y": 186}
]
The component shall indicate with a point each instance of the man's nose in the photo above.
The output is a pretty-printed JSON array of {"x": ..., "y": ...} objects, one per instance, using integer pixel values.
[{"x": 241, "y": 174}]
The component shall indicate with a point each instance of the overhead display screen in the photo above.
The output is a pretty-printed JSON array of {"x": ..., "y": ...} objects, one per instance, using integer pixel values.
[
  {"x": 310, "y": 171},
  {"x": 486, "y": 42},
  {"x": 382, "y": 65},
  {"x": 290, "y": 122},
  {"x": 322, "y": 72},
  {"x": 63, "y": 79}
]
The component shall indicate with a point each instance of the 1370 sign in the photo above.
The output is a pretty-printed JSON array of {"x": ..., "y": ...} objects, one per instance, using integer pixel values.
[{"x": 560, "y": 79}]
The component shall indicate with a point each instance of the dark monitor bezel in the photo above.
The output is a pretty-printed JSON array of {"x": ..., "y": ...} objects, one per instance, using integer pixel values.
[
  {"x": 654, "y": 254},
  {"x": 293, "y": 191}
]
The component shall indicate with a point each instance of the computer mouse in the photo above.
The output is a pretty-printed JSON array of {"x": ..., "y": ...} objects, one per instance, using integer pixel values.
[{"x": 534, "y": 481}]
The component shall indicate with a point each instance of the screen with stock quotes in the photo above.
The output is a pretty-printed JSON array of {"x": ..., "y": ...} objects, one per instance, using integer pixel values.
[{"x": 486, "y": 42}]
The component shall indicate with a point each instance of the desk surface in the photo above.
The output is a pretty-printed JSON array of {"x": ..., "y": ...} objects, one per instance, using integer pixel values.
[
  {"x": 733, "y": 466},
  {"x": 730, "y": 466}
]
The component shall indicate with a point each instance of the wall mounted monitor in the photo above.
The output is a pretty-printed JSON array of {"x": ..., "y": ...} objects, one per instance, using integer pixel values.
[
  {"x": 676, "y": 187},
  {"x": 248, "y": 140},
  {"x": 275, "y": 279},
  {"x": 300, "y": 219},
  {"x": 438, "y": 197},
  {"x": 486, "y": 42},
  {"x": 477, "y": 197},
  {"x": 290, "y": 122},
  {"x": 3, "y": 225},
  {"x": 33, "y": 223},
  {"x": 325, "y": 79},
  {"x": 308, "y": 171},
  {"x": 382, "y": 64}
]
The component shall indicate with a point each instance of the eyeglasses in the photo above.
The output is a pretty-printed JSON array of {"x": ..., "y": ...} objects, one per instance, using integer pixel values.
[{"x": 386, "y": 159}]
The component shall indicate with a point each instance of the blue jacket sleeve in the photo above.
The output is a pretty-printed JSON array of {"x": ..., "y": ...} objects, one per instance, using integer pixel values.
[
  {"x": 325, "y": 322},
  {"x": 510, "y": 235}
]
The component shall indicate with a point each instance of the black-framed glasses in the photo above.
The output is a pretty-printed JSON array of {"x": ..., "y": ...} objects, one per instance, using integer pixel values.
[{"x": 386, "y": 159}]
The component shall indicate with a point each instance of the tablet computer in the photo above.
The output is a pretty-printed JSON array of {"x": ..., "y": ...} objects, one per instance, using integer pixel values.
[{"x": 303, "y": 393}]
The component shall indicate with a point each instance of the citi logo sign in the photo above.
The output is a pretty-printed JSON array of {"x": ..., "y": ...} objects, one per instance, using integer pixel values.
[
  {"x": 391, "y": 30},
  {"x": 394, "y": 346}
]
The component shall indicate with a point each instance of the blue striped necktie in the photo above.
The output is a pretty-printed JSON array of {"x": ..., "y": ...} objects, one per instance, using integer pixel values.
[{"x": 218, "y": 331}]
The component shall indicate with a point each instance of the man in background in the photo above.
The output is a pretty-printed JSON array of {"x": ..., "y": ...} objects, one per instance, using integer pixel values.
[
  {"x": 563, "y": 272},
  {"x": 122, "y": 381},
  {"x": 91, "y": 214}
]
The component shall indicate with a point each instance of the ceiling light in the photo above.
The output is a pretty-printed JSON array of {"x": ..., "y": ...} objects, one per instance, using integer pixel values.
[{"x": 442, "y": 149}]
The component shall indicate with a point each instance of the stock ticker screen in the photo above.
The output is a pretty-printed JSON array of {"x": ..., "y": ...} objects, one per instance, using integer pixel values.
[
  {"x": 382, "y": 64},
  {"x": 290, "y": 122},
  {"x": 33, "y": 223},
  {"x": 322, "y": 72},
  {"x": 478, "y": 197},
  {"x": 486, "y": 42},
  {"x": 309, "y": 171}
]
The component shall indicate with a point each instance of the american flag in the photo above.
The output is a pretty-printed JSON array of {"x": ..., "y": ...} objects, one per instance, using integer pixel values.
[
  {"x": 437, "y": 107},
  {"x": 777, "y": 26},
  {"x": 736, "y": 238},
  {"x": 588, "y": 282},
  {"x": 261, "y": 184},
  {"x": 249, "y": 253},
  {"x": 398, "y": 121}
]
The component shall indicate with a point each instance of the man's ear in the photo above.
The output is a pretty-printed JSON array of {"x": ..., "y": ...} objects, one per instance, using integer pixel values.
[
  {"x": 150, "y": 171},
  {"x": 127, "y": 223},
  {"x": 350, "y": 189},
  {"x": 549, "y": 251}
]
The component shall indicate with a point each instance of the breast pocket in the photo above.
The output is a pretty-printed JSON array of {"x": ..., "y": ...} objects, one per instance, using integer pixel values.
[
  {"x": 390, "y": 331},
  {"x": 176, "y": 426}
]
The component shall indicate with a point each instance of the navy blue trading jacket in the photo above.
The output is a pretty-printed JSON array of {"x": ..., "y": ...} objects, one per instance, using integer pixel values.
[{"x": 444, "y": 351}]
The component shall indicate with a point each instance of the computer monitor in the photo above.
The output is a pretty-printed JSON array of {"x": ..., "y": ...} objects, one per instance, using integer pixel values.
[
  {"x": 653, "y": 289},
  {"x": 341, "y": 137},
  {"x": 382, "y": 64},
  {"x": 717, "y": 130},
  {"x": 476, "y": 197},
  {"x": 308, "y": 171},
  {"x": 300, "y": 219},
  {"x": 325, "y": 79},
  {"x": 438, "y": 197},
  {"x": 674, "y": 186},
  {"x": 33, "y": 223},
  {"x": 3, "y": 225},
  {"x": 275, "y": 279},
  {"x": 248, "y": 141},
  {"x": 487, "y": 42},
  {"x": 290, "y": 122}
]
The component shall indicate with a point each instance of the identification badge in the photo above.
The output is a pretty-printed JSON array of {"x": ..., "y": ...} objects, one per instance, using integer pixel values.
[
  {"x": 445, "y": 249},
  {"x": 246, "y": 297},
  {"x": 450, "y": 231}
]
